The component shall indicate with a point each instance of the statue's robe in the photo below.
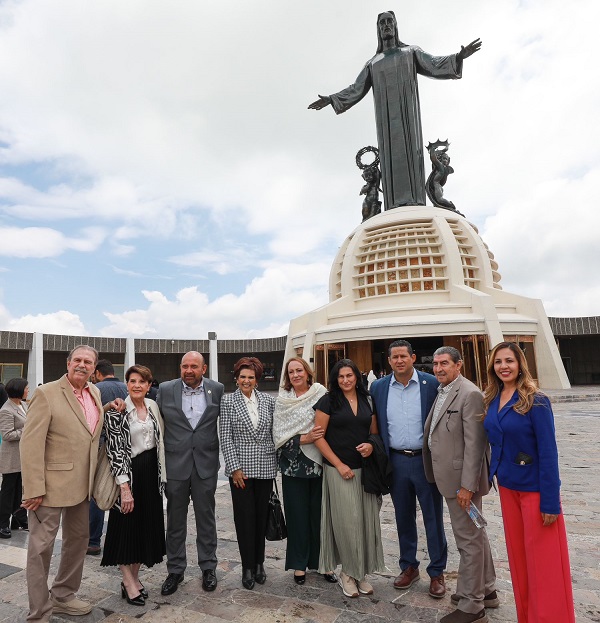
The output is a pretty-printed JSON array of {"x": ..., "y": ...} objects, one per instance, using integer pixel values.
[{"x": 393, "y": 77}]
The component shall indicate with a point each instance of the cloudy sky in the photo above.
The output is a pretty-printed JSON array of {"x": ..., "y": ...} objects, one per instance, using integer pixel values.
[{"x": 161, "y": 176}]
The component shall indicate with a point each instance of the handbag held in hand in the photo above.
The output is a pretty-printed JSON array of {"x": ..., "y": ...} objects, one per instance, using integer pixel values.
[{"x": 276, "y": 528}]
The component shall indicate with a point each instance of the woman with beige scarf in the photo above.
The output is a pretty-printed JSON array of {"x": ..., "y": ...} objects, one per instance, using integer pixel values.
[{"x": 294, "y": 434}]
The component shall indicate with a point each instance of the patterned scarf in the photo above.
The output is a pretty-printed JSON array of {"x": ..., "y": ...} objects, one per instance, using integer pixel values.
[{"x": 294, "y": 415}]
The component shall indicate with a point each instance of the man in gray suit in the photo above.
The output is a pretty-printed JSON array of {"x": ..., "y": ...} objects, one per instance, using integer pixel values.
[
  {"x": 456, "y": 458},
  {"x": 190, "y": 407}
]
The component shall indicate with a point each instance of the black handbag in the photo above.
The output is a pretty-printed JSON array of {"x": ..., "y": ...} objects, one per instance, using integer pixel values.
[{"x": 276, "y": 529}]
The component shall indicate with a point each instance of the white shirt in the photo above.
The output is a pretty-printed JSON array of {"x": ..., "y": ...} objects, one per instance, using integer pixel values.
[
  {"x": 252, "y": 406},
  {"x": 141, "y": 433}
]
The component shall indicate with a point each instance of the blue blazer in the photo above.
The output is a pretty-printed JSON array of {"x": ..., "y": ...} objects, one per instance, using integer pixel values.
[
  {"x": 509, "y": 433},
  {"x": 380, "y": 390}
]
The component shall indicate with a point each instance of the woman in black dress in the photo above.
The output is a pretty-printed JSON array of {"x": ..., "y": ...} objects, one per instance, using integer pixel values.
[
  {"x": 136, "y": 534},
  {"x": 350, "y": 529}
]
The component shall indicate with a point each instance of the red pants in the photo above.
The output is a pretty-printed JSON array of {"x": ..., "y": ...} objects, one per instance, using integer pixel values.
[{"x": 538, "y": 557}]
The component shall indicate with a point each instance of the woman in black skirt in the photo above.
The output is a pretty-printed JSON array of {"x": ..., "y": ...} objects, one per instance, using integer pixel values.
[{"x": 136, "y": 534}]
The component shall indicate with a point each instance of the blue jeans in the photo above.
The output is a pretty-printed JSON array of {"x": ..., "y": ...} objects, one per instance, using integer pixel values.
[{"x": 96, "y": 525}]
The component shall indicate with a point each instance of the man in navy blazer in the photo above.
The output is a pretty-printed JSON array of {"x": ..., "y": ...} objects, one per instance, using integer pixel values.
[{"x": 403, "y": 400}]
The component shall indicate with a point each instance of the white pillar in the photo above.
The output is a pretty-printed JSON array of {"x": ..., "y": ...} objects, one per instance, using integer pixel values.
[
  {"x": 213, "y": 363},
  {"x": 129, "y": 353},
  {"x": 35, "y": 367}
]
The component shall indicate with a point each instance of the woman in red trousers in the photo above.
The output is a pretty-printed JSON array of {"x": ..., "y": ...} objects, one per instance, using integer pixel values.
[{"x": 520, "y": 426}]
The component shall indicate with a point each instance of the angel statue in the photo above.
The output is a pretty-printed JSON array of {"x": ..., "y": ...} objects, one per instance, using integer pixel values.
[
  {"x": 441, "y": 169},
  {"x": 372, "y": 176}
]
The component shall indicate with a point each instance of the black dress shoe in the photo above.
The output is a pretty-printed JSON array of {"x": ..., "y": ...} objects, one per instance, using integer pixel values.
[
  {"x": 330, "y": 577},
  {"x": 171, "y": 583},
  {"x": 260, "y": 576},
  {"x": 209, "y": 580},
  {"x": 300, "y": 579},
  {"x": 5, "y": 533},
  {"x": 143, "y": 591},
  {"x": 138, "y": 600},
  {"x": 248, "y": 579}
]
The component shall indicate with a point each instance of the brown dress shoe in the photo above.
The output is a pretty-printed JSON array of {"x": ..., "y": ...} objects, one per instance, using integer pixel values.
[
  {"x": 458, "y": 616},
  {"x": 407, "y": 578},
  {"x": 437, "y": 586}
]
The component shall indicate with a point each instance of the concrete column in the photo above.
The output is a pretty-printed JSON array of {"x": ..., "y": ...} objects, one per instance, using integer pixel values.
[
  {"x": 213, "y": 362},
  {"x": 35, "y": 367},
  {"x": 129, "y": 353}
]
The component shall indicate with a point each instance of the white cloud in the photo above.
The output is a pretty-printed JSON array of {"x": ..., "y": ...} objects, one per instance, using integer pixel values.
[
  {"x": 40, "y": 242},
  {"x": 60, "y": 323},
  {"x": 546, "y": 244},
  {"x": 148, "y": 122},
  {"x": 263, "y": 309},
  {"x": 224, "y": 262}
]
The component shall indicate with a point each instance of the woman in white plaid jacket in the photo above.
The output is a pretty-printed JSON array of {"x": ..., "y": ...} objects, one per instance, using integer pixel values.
[{"x": 246, "y": 432}]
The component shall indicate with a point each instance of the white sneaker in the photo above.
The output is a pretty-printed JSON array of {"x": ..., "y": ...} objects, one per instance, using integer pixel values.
[
  {"x": 364, "y": 587},
  {"x": 348, "y": 585}
]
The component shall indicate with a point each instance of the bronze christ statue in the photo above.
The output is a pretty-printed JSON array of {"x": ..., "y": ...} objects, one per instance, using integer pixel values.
[{"x": 392, "y": 76}]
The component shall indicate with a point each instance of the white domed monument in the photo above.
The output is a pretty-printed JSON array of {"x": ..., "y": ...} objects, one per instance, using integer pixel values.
[{"x": 422, "y": 272}]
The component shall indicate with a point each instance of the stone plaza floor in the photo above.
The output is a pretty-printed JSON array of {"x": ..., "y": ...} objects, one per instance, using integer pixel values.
[{"x": 280, "y": 600}]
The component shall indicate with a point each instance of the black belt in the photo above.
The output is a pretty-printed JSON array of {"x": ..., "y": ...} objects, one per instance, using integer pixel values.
[{"x": 408, "y": 452}]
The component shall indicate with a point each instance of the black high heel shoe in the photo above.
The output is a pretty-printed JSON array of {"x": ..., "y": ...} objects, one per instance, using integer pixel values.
[
  {"x": 138, "y": 600},
  {"x": 300, "y": 579},
  {"x": 143, "y": 591}
]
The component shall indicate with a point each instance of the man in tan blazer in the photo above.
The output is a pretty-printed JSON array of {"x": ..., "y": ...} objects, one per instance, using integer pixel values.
[
  {"x": 456, "y": 458},
  {"x": 59, "y": 451}
]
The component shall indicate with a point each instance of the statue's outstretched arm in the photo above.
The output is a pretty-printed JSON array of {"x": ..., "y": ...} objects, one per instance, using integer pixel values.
[
  {"x": 466, "y": 51},
  {"x": 324, "y": 100}
]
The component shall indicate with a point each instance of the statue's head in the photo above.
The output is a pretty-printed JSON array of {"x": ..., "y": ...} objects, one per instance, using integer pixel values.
[
  {"x": 369, "y": 174},
  {"x": 444, "y": 158},
  {"x": 387, "y": 28}
]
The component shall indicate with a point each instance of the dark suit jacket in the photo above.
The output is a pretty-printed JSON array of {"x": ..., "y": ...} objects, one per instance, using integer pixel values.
[
  {"x": 376, "y": 472},
  {"x": 185, "y": 447},
  {"x": 380, "y": 389},
  {"x": 460, "y": 453}
]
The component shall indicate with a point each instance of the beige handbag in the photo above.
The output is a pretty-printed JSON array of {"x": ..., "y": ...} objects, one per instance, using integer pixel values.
[{"x": 106, "y": 490}]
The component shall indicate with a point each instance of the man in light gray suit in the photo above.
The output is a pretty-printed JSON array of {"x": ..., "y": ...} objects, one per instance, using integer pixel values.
[
  {"x": 190, "y": 407},
  {"x": 456, "y": 458}
]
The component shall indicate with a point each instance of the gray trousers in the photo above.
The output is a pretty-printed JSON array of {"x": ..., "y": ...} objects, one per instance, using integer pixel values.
[
  {"x": 476, "y": 574},
  {"x": 202, "y": 493}
]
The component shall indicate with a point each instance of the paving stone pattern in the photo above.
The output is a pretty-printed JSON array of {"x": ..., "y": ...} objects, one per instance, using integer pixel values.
[{"x": 280, "y": 600}]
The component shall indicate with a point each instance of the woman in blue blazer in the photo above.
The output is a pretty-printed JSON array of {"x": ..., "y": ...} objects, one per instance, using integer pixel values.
[{"x": 520, "y": 427}]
